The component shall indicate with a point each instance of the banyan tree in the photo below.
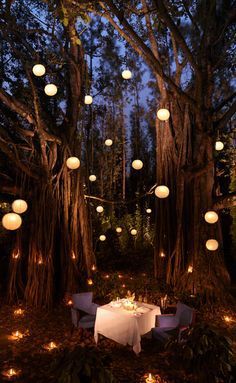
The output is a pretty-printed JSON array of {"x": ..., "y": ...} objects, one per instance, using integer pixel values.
[
  {"x": 38, "y": 134},
  {"x": 188, "y": 47}
]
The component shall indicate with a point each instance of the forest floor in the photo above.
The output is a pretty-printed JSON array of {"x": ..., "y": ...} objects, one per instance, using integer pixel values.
[{"x": 41, "y": 327}]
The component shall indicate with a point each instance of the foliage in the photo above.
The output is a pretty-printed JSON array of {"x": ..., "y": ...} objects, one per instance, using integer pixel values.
[
  {"x": 83, "y": 365},
  {"x": 205, "y": 353}
]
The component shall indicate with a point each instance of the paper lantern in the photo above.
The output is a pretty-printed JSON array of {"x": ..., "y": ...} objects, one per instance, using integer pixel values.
[
  {"x": 137, "y": 164},
  {"x": 162, "y": 191},
  {"x": 211, "y": 216},
  {"x": 92, "y": 178},
  {"x": 11, "y": 221},
  {"x": 219, "y": 145},
  {"x": 119, "y": 229},
  {"x": 212, "y": 244},
  {"x": 19, "y": 206},
  {"x": 102, "y": 238},
  {"x": 163, "y": 114},
  {"x": 39, "y": 70},
  {"x": 73, "y": 163},
  {"x": 162, "y": 254},
  {"x": 108, "y": 142},
  {"x": 50, "y": 89},
  {"x": 99, "y": 209},
  {"x": 148, "y": 211},
  {"x": 133, "y": 232},
  {"x": 88, "y": 100},
  {"x": 126, "y": 74}
]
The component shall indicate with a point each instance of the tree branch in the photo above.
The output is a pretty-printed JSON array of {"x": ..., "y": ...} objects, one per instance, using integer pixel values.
[
  {"x": 141, "y": 48},
  {"x": 226, "y": 117},
  {"x": 17, "y": 106},
  {"x": 225, "y": 202}
]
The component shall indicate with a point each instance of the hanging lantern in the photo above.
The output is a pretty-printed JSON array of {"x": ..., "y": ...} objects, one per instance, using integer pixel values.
[
  {"x": 99, "y": 209},
  {"x": 162, "y": 191},
  {"x": 163, "y": 114},
  {"x": 88, "y": 100},
  {"x": 108, "y": 142},
  {"x": 219, "y": 145},
  {"x": 92, "y": 178},
  {"x": 102, "y": 238},
  {"x": 148, "y": 211},
  {"x": 119, "y": 229},
  {"x": 133, "y": 232},
  {"x": 50, "y": 89},
  {"x": 39, "y": 70},
  {"x": 126, "y": 74},
  {"x": 211, "y": 216},
  {"x": 19, "y": 206},
  {"x": 73, "y": 163},
  {"x": 137, "y": 164},
  {"x": 162, "y": 254},
  {"x": 11, "y": 221},
  {"x": 212, "y": 244},
  {"x": 90, "y": 282}
]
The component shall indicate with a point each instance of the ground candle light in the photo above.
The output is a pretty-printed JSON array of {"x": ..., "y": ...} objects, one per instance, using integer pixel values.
[{"x": 150, "y": 379}]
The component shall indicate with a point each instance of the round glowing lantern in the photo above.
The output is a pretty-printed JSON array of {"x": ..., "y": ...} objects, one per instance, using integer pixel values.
[
  {"x": 126, "y": 74},
  {"x": 148, "y": 211},
  {"x": 50, "y": 90},
  {"x": 211, "y": 216},
  {"x": 99, "y": 209},
  {"x": 88, "y": 100},
  {"x": 162, "y": 191},
  {"x": 102, "y": 238},
  {"x": 39, "y": 70},
  {"x": 219, "y": 145},
  {"x": 11, "y": 221},
  {"x": 119, "y": 229},
  {"x": 92, "y": 178},
  {"x": 19, "y": 206},
  {"x": 137, "y": 164},
  {"x": 133, "y": 232},
  {"x": 212, "y": 244},
  {"x": 163, "y": 114},
  {"x": 108, "y": 142},
  {"x": 73, "y": 163}
]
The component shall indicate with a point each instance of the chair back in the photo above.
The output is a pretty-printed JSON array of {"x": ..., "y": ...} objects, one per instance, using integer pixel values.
[
  {"x": 82, "y": 301},
  {"x": 185, "y": 314}
]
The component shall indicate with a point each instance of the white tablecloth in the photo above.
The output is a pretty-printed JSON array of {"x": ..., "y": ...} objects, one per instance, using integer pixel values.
[{"x": 125, "y": 327}]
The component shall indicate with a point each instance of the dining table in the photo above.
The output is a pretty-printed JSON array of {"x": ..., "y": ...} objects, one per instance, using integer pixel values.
[{"x": 125, "y": 326}]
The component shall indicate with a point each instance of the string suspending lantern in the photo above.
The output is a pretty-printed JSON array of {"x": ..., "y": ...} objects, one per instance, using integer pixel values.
[
  {"x": 108, "y": 142},
  {"x": 88, "y": 100},
  {"x": 11, "y": 221},
  {"x": 39, "y": 70},
  {"x": 162, "y": 191},
  {"x": 119, "y": 229},
  {"x": 211, "y": 217},
  {"x": 99, "y": 209},
  {"x": 50, "y": 90},
  {"x": 92, "y": 178},
  {"x": 137, "y": 164},
  {"x": 126, "y": 74},
  {"x": 148, "y": 211},
  {"x": 133, "y": 232},
  {"x": 163, "y": 114},
  {"x": 212, "y": 244},
  {"x": 73, "y": 163},
  {"x": 219, "y": 145},
  {"x": 102, "y": 237},
  {"x": 19, "y": 206}
]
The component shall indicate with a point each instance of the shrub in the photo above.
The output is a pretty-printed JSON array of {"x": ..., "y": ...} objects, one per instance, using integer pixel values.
[
  {"x": 205, "y": 353},
  {"x": 82, "y": 365}
]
